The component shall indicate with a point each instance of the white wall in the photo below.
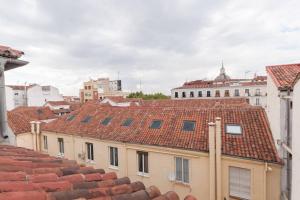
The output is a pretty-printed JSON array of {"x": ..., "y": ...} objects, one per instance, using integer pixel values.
[
  {"x": 295, "y": 143},
  {"x": 10, "y": 104},
  {"x": 38, "y": 97}
]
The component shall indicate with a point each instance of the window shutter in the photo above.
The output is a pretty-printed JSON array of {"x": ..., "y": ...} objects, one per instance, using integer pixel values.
[
  {"x": 240, "y": 182},
  {"x": 178, "y": 169},
  {"x": 185, "y": 170}
]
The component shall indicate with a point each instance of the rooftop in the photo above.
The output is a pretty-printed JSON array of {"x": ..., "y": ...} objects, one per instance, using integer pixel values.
[
  {"x": 27, "y": 175},
  {"x": 284, "y": 76},
  {"x": 255, "y": 142},
  {"x": 8, "y": 52}
]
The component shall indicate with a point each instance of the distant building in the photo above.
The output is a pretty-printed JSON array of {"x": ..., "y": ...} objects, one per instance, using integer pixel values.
[
  {"x": 284, "y": 117},
  {"x": 71, "y": 99},
  {"x": 223, "y": 87},
  {"x": 100, "y": 88},
  {"x": 32, "y": 95},
  {"x": 59, "y": 107}
]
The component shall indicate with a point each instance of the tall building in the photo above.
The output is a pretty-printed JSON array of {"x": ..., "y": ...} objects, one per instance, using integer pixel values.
[
  {"x": 32, "y": 95},
  {"x": 223, "y": 86},
  {"x": 100, "y": 88},
  {"x": 284, "y": 117}
]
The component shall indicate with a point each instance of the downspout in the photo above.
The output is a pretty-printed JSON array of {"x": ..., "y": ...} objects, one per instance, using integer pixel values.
[
  {"x": 212, "y": 161},
  {"x": 3, "y": 117},
  {"x": 288, "y": 141}
]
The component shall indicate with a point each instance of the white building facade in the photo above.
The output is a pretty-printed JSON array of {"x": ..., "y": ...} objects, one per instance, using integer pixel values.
[{"x": 255, "y": 90}]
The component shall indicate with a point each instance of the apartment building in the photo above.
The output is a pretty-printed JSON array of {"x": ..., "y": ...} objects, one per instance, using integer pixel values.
[
  {"x": 101, "y": 88},
  {"x": 31, "y": 95},
  {"x": 59, "y": 108},
  {"x": 211, "y": 149},
  {"x": 283, "y": 112},
  {"x": 223, "y": 87},
  {"x": 9, "y": 59}
]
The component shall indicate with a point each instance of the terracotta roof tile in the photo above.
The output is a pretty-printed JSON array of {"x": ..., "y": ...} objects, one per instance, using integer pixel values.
[
  {"x": 284, "y": 76},
  {"x": 19, "y": 118},
  {"x": 8, "y": 52},
  {"x": 57, "y": 103},
  {"x": 38, "y": 183},
  {"x": 256, "y": 141}
]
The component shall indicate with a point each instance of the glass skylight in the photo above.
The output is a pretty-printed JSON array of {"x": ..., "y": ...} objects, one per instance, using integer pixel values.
[
  {"x": 234, "y": 129},
  {"x": 106, "y": 121},
  {"x": 156, "y": 124},
  {"x": 188, "y": 125},
  {"x": 70, "y": 118},
  {"x": 127, "y": 122},
  {"x": 86, "y": 119}
]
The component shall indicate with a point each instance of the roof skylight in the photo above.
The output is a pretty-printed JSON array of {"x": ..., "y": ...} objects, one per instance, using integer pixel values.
[
  {"x": 233, "y": 129},
  {"x": 106, "y": 121},
  {"x": 156, "y": 124},
  {"x": 127, "y": 122},
  {"x": 188, "y": 125},
  {"x": 86, "y": 119}
]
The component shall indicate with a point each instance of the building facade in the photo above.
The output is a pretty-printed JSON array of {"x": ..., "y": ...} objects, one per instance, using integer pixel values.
[
  {"x": 172, "y": 145},
  {"x": 100, "y": 88},
  {"x": 223, "y": 87},
  {"x": 32, "y": 95},
  {"x": 283, "y": 113}
]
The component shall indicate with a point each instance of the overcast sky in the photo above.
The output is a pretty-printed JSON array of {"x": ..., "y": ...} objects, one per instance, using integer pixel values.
[{"x": 163, "y": 43}]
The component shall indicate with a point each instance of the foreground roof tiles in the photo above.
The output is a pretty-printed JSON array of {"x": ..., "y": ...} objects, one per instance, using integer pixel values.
[
  {"x": 284, "y": 76},
  {"x": 19, "y": 118},
  {"x": 255, "y": 142},
  {"x": 8, "y": 52},
  {"x": 57, "y": 103},
  {"x": 29, "y": 175}
]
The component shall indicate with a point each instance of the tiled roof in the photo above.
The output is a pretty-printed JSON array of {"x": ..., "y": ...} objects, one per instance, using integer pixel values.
[
  {"x": 19, "y": 118},
  {"x": 8, "y": 52},
  {"x": 57, "y": 103},
  {"x": 256, "y": 141},
  {"x": 284, "y": 76},
  {"x": 29, "y": 175}
]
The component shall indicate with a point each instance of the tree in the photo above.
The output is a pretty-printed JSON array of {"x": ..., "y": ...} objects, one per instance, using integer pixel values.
[{"x": 141, "y": 95}]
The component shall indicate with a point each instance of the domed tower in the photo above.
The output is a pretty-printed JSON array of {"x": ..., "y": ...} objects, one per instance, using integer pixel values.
[{"x": 222, "y": 76}]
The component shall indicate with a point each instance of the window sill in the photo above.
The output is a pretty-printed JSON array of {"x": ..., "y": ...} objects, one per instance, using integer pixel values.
[
  {"x": 92, "y": 162},
  {"x": 60, "y": 155},
  {"x": 143, "y": 174},
  {"x": 181, "y": 183},
  {"x": 113, "y": 167}
]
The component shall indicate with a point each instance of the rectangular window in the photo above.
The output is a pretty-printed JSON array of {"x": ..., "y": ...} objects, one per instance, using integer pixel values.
[
  {"x": 182, "y": 169},
  {"x": 143, "y": 162},
  {"x": 239, "y": 183},
  {"x": 227, "y": 94},
  {"x": 217, "y": 93},
  {"x": 127, "y": 122},
  {"x": 233, "y": 129},
  {"x": 176, "y": 94},
  {"x": 61, "y": 145},
  {"x": 257, "y": 101},
  {"x": 257, "y": 92},
  {"x": 45, "y": 142},
  {"x": 199, "y": 93},
  {"x": 106, "y": 121},
  {"x": 113, "y": 156},
  {"x": 191, "y": 94},
  {"x": 208, "y": 94},
  {"x": 156, "y": 124},
  {"x": 90, "y": 151},
  {"x": 183, "y": 94},
  {"x": 188, "y": 125},
  {"x": 236, "y": 92},
  {"x": 247, "y": 92}
]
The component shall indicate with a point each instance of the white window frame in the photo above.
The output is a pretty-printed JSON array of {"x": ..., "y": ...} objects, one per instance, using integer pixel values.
[
  {"x": 45, "y": 142},
  {"x": 238, "y": 189},
  {"x": 61, "y": 147},
  {"x": 89, "y": 152},
  {"x": 115, "y": 162},
  {"x": 142, "y": 173},
  {"x": 233, "y": 132},
  {"x": 183, "y": 179},
  {"x": 257, "y": 101}
]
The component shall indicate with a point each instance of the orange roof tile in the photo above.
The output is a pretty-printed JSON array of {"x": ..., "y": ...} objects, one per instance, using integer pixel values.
[
  {"x": 27, "y": 175},
  {"x": 284, "y": 76}
]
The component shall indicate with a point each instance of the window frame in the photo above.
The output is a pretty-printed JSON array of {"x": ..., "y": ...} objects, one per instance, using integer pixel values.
[
  {"x": 189, "y": 121},
  {"x": 233, "y": 133},
  {"x": 156, "y": 120},
  {"x": 126, "y": 121},
  {"x": 176, "y": 94},
  {"x": 89, "y": 152},
  {"x": 230, "y": 181},
  {"x": 184, "y": 176},
  {"x": 200, "y": 94},
  {"x": 113, "y": 157},
  {"x": 61, "y": 146},
  {"x": 45, "y": 142},
  {"x": 183, "y": 95},
  {"x": 191, "y": 94},
  {"x": 86, "y": 119},
  {"x": 236, "y": 92},
  {"x": 106, "y": 121},
  {"x": 144, "y": 156},
  {"x": 208, "y": 93}
]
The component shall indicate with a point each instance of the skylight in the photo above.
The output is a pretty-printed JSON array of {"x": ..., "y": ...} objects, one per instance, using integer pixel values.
[
  {"x": 188, "y": 125},
  {"x": 127, "y": 122},
  {"x": 233, "y": 129},
  {"x": 70, "y": 118},
  {"x": 156, "y": 124},
  {"x": 106, "y": 121},
  {"x": 86, "y": 119}
]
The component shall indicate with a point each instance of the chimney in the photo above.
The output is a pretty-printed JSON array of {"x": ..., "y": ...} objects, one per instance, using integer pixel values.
[
  {"x": 33, "y": 132},
  {"x": 212, "y": 161},
  {"x": 38, "y": 135},
  {"x": 218, "y": 157}
]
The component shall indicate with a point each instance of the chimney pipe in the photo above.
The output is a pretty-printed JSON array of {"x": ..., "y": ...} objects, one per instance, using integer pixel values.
[
  {"x": 33, "y": 132},
  {"x": 38, "y": 135},
  {"x": 212, "y": 161},
  {"x": 218, "y": 157}
]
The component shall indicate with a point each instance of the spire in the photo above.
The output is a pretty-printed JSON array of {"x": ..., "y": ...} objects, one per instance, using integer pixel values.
[
  {"x": 222, "y": 71},
  {"x": 222, "y": 76}
]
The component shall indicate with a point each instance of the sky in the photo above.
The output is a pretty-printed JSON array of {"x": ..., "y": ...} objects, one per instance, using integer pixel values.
[{"x": 158, "y": 43}]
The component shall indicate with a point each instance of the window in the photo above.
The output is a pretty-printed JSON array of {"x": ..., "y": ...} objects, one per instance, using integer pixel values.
[
  {"x": 208, "y": 94},
  {"x": 233, "y": 129},
  {"x": 257, "y": 101},
  {"x": 236, "y": 92},
  {"x": 156, "y": 124},
  {"x": 183, "y": 94},
  {"x": 61, "y": 146},
  {"x": 90, "y": 151},
  {"x": 227, "y": 94},
  {"x": 199, "y": 93},
  {"x": 86, "y": 119},
  {"x": 113, "y": 155},
  {"x": 106, "y": 121},
  {"x": 257, "y": 92},
  {"x": 217, "y": 93},
  {"x": 182, "y": 169},
  {"x": 143, "y": 162},
  {"x": 16, "y": 94},
  {"x": 127, "y": 122},
  {"x": 247, "y": 92},
  {"x": 192, "y": 94},
  {"x": 45, "y": 139},
  {"x": 176, "y": 94},
  {"x": 188, "y": 125},
  {"x": 239, "y": 183}
]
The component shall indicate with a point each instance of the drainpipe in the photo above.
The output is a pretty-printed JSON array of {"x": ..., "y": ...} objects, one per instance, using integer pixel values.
[
  {"x": 212, "y": 161},
  {"x": 288, "y": 142},
  {"x": 218, "y": 157},
  {"x": 3, "y": 117}
]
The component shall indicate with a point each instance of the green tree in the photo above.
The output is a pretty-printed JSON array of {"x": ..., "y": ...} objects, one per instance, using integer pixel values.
[{"x": 141, "y": 95}]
